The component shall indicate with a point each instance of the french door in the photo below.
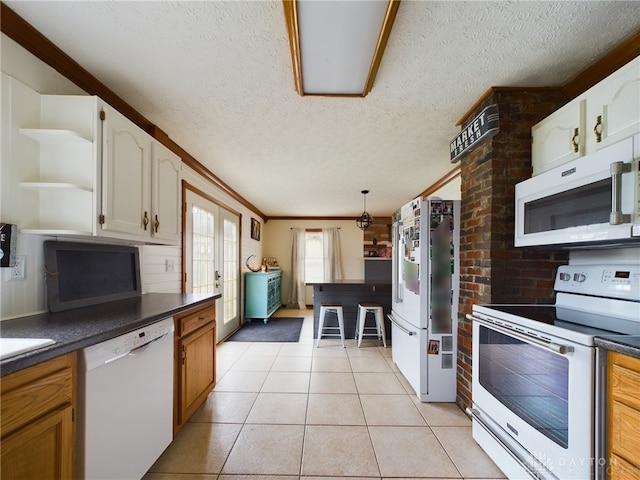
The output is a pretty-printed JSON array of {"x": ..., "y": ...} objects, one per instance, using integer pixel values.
[{"x": 212, "y": 253}]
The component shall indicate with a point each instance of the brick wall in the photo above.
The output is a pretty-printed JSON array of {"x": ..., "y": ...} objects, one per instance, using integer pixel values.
[{"x": 492, "y": 270}]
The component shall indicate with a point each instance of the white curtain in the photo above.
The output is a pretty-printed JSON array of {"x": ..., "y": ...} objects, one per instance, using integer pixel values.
[
  {"x": 332, "y": 256},
  {"x": 296, "y": 289}
]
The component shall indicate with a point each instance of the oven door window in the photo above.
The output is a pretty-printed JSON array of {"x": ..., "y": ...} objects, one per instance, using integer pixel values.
[
  {"x": 586, "y": 205},
  {"x": 530, "y": 381}
]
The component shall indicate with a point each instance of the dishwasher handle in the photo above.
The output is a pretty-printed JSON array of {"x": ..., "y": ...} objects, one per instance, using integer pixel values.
[
  {"x": 141, "y": 348},
  {"x": 136, "y": 350}
]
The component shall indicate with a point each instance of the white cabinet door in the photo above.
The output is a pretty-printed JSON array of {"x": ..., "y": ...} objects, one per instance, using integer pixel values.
[
  {"x": 126, "y": 177},
  {"x": 613, "y": 107},
  {"x": 165, "y": 191},
  {"x": 559, "y": 138}
]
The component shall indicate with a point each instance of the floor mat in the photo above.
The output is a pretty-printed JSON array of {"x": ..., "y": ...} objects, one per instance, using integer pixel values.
[{"x": 277, "y": 329}]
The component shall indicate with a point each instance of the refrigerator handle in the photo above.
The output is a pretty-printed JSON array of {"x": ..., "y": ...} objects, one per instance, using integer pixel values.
[{"x": 395, "y": 322}]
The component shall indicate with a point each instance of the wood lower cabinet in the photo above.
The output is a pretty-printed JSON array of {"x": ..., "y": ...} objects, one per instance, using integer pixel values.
[
  {"x": 38, "y": 427},
  {"x": 623, "y": 417},
  {"x": 195, "y": 371}
]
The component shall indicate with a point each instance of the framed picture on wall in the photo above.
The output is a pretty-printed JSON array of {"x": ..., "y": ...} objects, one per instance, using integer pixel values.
[{"x": 255, "y": 229}]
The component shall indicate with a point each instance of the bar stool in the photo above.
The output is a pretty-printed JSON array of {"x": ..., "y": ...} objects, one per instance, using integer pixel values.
[
  {"x": 376, "y": 309},
  {"x": 331, "y": 307}
]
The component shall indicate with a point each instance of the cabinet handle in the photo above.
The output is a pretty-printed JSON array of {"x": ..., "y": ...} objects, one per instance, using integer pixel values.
[
  {"x": 156, "y": 224},
  {"x": 597, "y": 129},
  {"x": 145, "y": 220},
  {"x": 575, "y": 140}
]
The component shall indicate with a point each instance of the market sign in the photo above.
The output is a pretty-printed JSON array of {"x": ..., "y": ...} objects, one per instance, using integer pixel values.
[{"x": 484, "y": 126}]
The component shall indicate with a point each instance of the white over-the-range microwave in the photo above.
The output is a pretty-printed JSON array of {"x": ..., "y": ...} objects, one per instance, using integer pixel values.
[{"x": 590, "y": 201}]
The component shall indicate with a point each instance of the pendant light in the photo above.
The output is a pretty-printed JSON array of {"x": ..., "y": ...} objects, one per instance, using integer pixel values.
[{"x": 365, "y": 219}]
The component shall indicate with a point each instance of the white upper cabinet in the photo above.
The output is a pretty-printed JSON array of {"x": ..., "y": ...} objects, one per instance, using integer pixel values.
[
  {"x": 605, "y": 114},
  {"x": 126, "y": 177},
  {"x": 165, "y": 194},
  {"x": 73, "y": 165},
  {"x": 613, "y": 107},
  {"x": 141, "y": 184},
  {"x": 559, "y": 138},
  {"x": 51, "y": 147}
]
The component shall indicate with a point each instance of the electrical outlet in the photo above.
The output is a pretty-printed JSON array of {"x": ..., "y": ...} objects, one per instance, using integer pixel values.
[
  {"x": 169, "y": 265},
  {"x": 17, "y": 271}
]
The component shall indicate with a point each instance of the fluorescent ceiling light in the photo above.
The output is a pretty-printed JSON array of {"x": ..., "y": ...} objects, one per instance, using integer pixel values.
[{"x": 337, "y": 45}]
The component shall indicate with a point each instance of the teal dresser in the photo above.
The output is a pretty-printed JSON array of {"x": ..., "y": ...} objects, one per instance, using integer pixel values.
[{"x": 261, "y": 294}]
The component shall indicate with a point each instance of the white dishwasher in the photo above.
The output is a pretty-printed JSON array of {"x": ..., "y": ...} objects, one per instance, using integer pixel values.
[{"x": 125, "y": 403}]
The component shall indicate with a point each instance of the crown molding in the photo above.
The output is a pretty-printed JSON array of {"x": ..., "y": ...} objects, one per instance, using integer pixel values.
[{"x": 604, "y": 67}]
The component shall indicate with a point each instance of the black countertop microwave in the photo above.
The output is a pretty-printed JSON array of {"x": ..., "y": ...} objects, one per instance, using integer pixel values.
[{"x": 82, "y": 274}]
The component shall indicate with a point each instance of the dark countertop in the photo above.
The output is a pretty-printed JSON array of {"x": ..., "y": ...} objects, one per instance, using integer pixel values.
[
  {"x": 348, "y": 282},
  {"x": 81, "y": 327},
  {"x": 625, "y": 344}
]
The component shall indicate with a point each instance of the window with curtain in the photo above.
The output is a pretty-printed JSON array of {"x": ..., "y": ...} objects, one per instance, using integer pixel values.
[{"x": 314, "y": 256}]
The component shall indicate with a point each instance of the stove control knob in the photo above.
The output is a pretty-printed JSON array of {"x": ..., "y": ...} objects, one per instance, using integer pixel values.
[
  {"x": 565, "y": 277},
  {"x": 579, "y": 277}
]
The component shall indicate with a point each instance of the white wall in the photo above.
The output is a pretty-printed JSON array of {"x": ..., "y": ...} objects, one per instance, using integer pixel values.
[
  {"x": 28, "y": 296},
  {"x": 277, "y": 234}
]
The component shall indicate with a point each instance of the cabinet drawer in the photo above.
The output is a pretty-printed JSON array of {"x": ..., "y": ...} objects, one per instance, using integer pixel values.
[
  {"x": 35, "y": 391},
  {"x": 194, "y": 320},
  {"x": 625, "y": 380}
]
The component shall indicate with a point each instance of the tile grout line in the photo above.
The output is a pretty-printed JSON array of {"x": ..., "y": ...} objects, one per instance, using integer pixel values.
[{"x": 306, "y": 417}]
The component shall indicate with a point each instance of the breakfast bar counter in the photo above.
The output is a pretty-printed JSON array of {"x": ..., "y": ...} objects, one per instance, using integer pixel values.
[{"x": 350, "y": 293}]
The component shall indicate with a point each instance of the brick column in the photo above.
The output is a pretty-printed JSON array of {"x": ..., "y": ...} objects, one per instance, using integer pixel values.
[{"x": 492, "y": 270}]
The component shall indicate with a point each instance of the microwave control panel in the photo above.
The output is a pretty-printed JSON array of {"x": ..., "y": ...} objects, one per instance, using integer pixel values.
[{"x": 615, "y": 281}]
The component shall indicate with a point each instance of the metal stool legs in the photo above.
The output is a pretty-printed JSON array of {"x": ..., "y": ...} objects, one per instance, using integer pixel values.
[
  {"x": 376, "y": 309},
  {"x": 334, "y": 308}
]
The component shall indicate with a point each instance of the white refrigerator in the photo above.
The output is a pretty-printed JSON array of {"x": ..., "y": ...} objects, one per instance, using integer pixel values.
[{"x": 424, "y": 317}]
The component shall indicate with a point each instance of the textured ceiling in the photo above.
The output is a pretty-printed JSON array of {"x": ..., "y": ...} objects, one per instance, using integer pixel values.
[{"x": 216, "y": 77}]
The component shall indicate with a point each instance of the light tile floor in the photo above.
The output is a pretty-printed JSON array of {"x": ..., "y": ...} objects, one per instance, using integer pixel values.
[{"x": 290, "y": 410}]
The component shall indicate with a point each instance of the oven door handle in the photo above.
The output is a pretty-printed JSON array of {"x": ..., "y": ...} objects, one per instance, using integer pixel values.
[
  {"x": 555, "y": 347},
  {"x": 395, "y": 322}
]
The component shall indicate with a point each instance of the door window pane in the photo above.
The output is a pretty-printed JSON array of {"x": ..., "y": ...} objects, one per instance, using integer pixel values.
[
  {"x": 230, "y": 271},
  {"x": 203, "y": 251}
]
